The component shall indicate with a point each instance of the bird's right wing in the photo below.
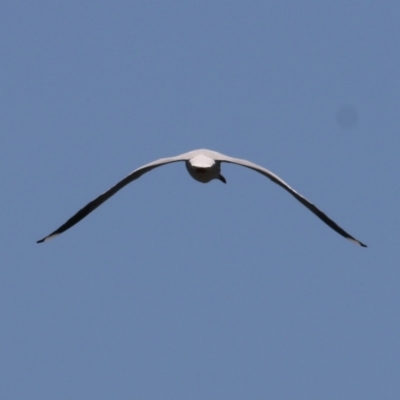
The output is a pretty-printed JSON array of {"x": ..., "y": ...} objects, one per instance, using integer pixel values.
[
  {"x": 137, "y": 173},
  {"x": 298, "y": 196}
]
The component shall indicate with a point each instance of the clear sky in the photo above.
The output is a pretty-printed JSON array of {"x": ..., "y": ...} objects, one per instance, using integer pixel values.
[{"x": 178, "y": 290}]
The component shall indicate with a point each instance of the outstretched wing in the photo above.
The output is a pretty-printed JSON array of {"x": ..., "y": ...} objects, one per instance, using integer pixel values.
[
  {"x": 298, "y": 196},
  {"x": 137, "y": 173}
]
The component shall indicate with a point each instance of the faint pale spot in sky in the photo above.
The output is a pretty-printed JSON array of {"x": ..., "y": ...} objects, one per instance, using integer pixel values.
[{"x": 347, "y": 117}]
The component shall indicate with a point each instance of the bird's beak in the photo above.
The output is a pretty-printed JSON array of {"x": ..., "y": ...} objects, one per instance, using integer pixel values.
[{"x": 221, "y": 178}]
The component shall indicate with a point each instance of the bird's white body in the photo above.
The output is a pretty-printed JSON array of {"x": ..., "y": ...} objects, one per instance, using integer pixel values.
[
  {"x": 203, "y": 165},
  {"x": 203, "y": 168}
]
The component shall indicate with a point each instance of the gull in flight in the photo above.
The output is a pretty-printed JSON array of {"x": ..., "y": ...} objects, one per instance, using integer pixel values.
[{"x": 203, "y": 166}]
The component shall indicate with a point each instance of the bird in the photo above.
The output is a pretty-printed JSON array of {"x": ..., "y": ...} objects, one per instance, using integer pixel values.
[{"x": 204, "y": 166}]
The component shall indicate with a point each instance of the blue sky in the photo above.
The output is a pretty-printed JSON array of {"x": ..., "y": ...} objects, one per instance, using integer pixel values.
[{"x": 178, "y": 290}]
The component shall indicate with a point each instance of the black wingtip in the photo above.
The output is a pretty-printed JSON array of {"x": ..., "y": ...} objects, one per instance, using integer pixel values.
[
  {"x": 356, "y": 241},
  {"x": 40, "y": 241}
]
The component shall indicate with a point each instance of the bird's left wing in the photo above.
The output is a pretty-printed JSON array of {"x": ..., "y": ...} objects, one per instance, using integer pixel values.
[{"x": 137, "y": 173}]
